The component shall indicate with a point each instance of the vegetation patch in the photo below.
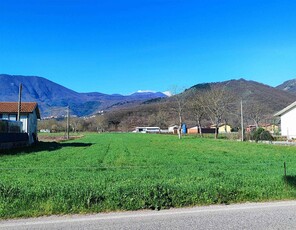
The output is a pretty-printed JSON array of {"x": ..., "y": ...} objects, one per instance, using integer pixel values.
[
  {"x": 104, "y": 172},
  {"x": 261, "y": 135}
]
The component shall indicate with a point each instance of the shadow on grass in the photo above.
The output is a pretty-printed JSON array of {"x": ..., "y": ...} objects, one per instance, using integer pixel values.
[
  {"x": 290, "y": 180},
  {"x": 44, "y": 146}
]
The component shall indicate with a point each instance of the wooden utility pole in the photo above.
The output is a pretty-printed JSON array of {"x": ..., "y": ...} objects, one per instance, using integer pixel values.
[
  {"x": 68, "y": 121},
  {"x": 242, "y": 120},
  {"x": 19, "y": 103}
]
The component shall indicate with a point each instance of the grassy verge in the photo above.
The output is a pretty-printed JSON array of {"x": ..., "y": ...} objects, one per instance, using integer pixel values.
[{"x": 104, "y": 172}]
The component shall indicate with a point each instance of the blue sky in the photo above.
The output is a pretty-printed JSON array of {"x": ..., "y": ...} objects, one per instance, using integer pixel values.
[{"x": 121, "y": 46}]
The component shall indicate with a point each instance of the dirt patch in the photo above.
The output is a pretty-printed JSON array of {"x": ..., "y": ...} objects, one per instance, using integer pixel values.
[{"x": 57, "y": 138}]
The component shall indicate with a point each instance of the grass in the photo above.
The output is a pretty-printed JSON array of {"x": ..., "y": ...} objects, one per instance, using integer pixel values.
[{"x": 106, "y": 172}]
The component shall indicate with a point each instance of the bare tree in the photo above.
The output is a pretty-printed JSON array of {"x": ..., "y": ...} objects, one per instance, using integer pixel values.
[
  {"x": 158, "y": 119},
  {"x": 197, "y": 105},
  {"x": 255, "y": 111},
  {"x": 114, "y": 118},
  {"x": 178, "y": 106},
  {"x": 100, "y": 123},
  {"x": 75, "y": 122},
  {"x": 219, "y": 101},
  {"x": 46, "y": 124}
]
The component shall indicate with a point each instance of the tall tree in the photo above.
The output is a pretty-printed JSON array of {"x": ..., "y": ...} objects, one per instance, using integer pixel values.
[
  {"x": 197, "y": 106},
  {"x": 219, "y": 101},
  {"x": 100, "y": 123},
  {"x": 179, "y": 99},
  {"x": 255, "y": 111}
]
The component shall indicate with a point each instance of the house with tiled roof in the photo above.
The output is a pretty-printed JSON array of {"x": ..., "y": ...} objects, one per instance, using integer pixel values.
[{"x": 29, "y": 114}]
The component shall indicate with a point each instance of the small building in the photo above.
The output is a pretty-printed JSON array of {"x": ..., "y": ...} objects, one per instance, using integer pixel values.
[
  {"x": 29, "y": 115},
  {"x": 44, "y": 130},
  {"x": 173, "y": 129},
  {"x": 272, "y": 128},
  {"x": 193, "y": 130},
  {"x": 288, "y": 121},
  {"x": 223, "y": 128},
  {"x": 251, "y": 128},
  {"x": 147, "y": 130}
]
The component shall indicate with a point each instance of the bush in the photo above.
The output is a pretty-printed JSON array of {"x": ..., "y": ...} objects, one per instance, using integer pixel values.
[{"x": 262, "y": 135}]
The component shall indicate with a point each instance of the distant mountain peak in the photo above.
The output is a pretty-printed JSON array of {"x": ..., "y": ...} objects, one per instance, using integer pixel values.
[
  {"x": 289, "y": 86},
  {"x": 149, "y": 94},
  {"x": 168, "y": 93},
  {"x": 161, "y": 94},
  {"x": 146, "y": 91}
]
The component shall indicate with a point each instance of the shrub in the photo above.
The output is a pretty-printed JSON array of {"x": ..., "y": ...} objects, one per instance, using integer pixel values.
[{"x": 262, "y": 135}]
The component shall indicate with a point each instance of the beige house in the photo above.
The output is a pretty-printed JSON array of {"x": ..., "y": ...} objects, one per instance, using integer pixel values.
[
  {"x": 223, "y": 128},
  {"x": 29, "y": 115},
  {"x": 272, "y": 128}
]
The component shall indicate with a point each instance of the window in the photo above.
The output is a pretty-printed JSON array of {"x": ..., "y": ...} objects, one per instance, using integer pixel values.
[
  {"x": 12, "y": 117},
  {"x": 4, "y": 116}
]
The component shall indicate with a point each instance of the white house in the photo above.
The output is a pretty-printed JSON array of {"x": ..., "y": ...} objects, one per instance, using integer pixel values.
[
  {"x": 147, "y": 130},
  {"x": 288, "y": 121},
  {"x": 28, "y": 116},
  {"x": 173, "y": 129}
]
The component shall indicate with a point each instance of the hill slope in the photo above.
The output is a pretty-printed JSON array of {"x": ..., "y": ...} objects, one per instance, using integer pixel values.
[
  {"x": 257, "y": 98},
  {"x": 273, "y": 98}
]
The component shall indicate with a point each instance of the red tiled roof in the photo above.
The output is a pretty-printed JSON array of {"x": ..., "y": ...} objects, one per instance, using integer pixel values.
[{"x": 26, "y": 107}]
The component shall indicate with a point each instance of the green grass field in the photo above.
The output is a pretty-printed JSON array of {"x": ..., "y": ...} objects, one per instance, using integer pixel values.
[{"x": 104, "y": 172}]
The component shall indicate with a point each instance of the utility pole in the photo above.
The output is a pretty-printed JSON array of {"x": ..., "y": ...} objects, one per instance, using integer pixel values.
[
  {"x": 68, "y": 121},
  {"x": 19, "y": 103},
  {"x": 242, "y": 120}
]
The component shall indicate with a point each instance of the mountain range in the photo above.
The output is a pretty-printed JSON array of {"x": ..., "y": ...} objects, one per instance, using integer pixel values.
[{"x": 53, "y": 98}]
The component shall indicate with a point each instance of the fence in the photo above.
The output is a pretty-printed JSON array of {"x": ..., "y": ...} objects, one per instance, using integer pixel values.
[
  {"x": 11, "y": 135},
  {"x": 7, "y": 126}
]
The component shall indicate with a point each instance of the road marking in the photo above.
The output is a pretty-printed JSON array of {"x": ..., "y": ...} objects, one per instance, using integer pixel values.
[{"x": 121, "y": 215}]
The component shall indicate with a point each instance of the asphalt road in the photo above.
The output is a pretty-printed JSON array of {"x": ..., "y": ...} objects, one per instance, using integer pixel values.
[{"x": 274, "y": 215}]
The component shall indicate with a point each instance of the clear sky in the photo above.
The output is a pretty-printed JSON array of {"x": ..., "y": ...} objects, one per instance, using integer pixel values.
[{"x": 121, "y": 46}]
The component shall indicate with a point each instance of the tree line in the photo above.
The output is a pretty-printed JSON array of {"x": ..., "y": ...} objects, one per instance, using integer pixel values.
[{"x": 212, "y": 105}]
